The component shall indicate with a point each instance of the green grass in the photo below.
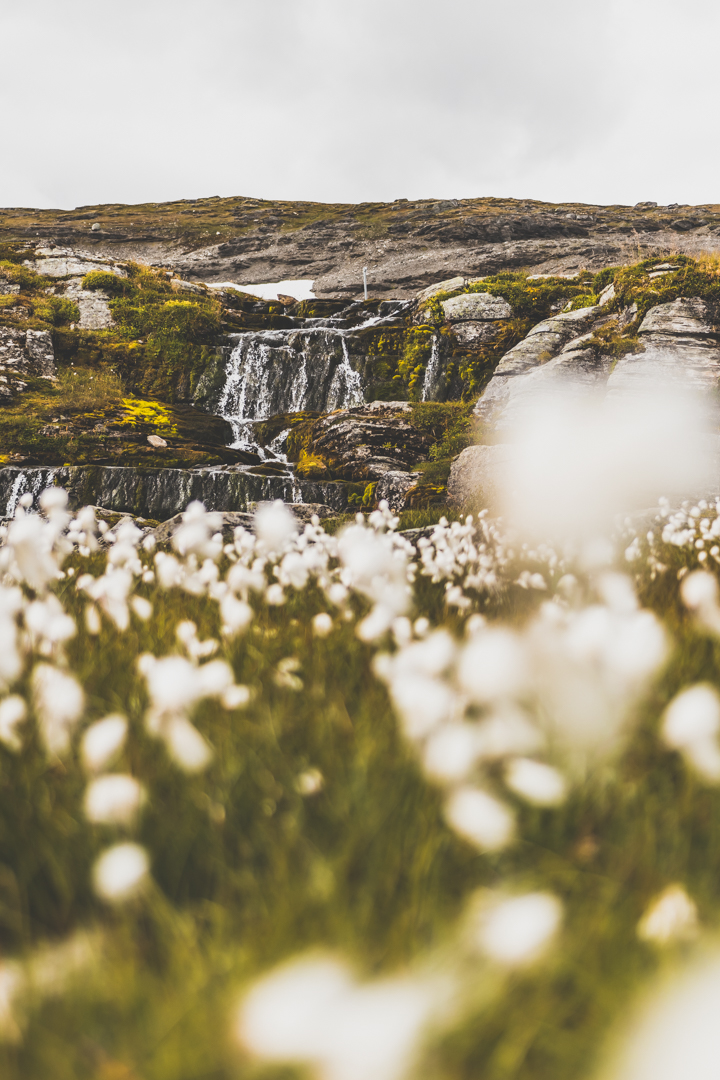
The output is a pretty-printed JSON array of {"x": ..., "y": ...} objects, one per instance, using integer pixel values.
[{"x": 246, "y": 871}]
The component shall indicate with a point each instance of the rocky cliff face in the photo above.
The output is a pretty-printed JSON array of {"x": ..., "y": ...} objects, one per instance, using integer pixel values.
[
  {"x": 405, "y": 244},
  {"x": 160, "y": 389}
]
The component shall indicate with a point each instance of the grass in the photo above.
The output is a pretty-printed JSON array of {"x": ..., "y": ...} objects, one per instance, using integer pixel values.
[
  {"x": 246, "y": 871},
  {"x": 86, "y": 390}
]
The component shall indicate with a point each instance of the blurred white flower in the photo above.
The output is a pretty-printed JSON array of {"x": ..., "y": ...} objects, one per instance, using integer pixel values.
[
  {"x": 535, "y": 782},
  {"x": 451, "y": 752},
  {"x": 286, "y": 674},
  {"x": 141, "y": 607},
  {"x": 322, "y": 624},
  {"x": 114, "y": 799},
  {"x": 195, "y": 535},
  {"x": 59, "y": 702},
  {"x": 518, "y": 930},
  {"x": 30, "y": 540},
  {"x": 672, "y": 916},
  {"x": 492, "y": 666},
  {"x": 422, "y": 703},
  {"x": 102, "y": 741},
  {"x": 93, "y": 622},
  {"x": 480, "y": 818},
  {"x": 47, "y": 620},
  {"x": 274, "y": 595},
  {"x": 186, "y": 745},
  {"x": 691, "y": 723},
  {"x": 275, "y": 526},
  {"x": 312, "y": 1010},
  {"x": 236, "y": 614},
  {"x": 13, "y": 711},
  {"x": 121, "y": 872},
  {"x": 676, "y": 1035},
  {"x": 309, "y": 782},
  {"x": 236, "y": 697}
]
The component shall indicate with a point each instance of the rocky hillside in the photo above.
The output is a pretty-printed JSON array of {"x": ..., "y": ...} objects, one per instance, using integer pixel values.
[
  {"x": 405, "y": 244},
  {"x": 139, "y": 389}
]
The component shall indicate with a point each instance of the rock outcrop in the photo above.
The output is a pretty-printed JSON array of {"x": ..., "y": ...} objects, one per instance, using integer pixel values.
[
  {"x": 407, "y": 245},
  {"x": 24, "y": 353}
]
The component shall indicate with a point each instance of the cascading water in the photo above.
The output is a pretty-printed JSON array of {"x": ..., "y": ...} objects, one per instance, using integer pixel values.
[
  {"x": 32, "y": 481},
  {"x": 432, "y": 372},
  {"x": 279, "y": 371}
]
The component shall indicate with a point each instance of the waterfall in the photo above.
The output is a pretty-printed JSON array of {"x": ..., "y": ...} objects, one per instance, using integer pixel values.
[
  {"x": 432, "y": 372},
  {"x": 32, "y": 480},
  {"x": 346, "y": 387},
  {"x": 280, "y": 371}
]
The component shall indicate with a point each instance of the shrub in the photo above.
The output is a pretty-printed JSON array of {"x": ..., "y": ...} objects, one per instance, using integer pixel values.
[
  {"x": 108, "y": 283},
  {"x": 58, "y": 310}
]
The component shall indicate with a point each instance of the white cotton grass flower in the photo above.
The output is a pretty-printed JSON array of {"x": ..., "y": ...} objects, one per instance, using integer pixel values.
[
  {"x": 275, "y": 595},
  {"x": 13, "y": 711},
  {"x": 30, "y": 540},
  {"x": 671, "y": 916},
  {"x": 535, "y": 782},
  {"x": 93, "y": 622},
  {"x": 422, "y": 703},
  {"x": 691, "y": 724},
  {"x": 275, "y": 526},
  {"x": 113, "y": 800},
  {"x": 48, "y": 621},
  {"x": 451, "y": 752},
  {"x": 322, "y": 624},
  {"x": 518, "y": 930},
  {"x": 196, "y": 532},
  {"x": 236, "y": 615},
  {"x": 102, "y": 742},
  {"x": 59, "y": 702},
  {"x": 493, "y": 666},
  {"x": 674, "y": 1035},
  {"x": 121, "y": 873},
  {"x": 699, "y": 592},
  {"x": 312, "y": 1010},
  {"x": 186, "y": 745},
  {"x": 480, "y": 818},
  {"x": 236, "y": 697},
  {"x": 309, "y": 782},
  {"x": 141, "y": 607}
]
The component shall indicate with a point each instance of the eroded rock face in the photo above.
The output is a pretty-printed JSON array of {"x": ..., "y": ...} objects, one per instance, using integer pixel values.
[
  {"x": 394, "y": 486},
  {"x": 681, "y": 343},
  {"x": 158, "y": 494},
  {"x": 62, "y": 266},
  {"x": 476, "y": 306},
  {"x": 555, "y": 348},
  {"x": 23, "y": 353},
  {"x": 93, "y": 305},
  {"x": 366, "y": 443}
]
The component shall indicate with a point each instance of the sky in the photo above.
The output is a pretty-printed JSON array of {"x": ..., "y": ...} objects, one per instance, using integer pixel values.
[{"x": 358, "y": 100}]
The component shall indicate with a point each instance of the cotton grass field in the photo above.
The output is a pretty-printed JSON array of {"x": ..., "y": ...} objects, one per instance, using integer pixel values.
[{"x": 354, "y": 804}]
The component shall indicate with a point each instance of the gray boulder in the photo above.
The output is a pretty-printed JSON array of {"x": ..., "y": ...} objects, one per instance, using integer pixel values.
[
  {"x": 442, "y": 286},
  {"x": 40, "y": 354},
  {"x": 393, "y": 486},
  {"x": 476, "y": 307},
  {"x": 93, "y": 305},
  {"x": 71, "y": 266},
  {"x": 476, "y": 475}
]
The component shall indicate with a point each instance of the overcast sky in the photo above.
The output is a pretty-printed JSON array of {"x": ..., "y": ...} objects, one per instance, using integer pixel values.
[{"x": 358, "y": 100}]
